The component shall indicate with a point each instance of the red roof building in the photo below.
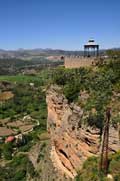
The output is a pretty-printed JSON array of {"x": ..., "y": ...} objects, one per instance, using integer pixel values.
[{"x": 9, "y": 139}]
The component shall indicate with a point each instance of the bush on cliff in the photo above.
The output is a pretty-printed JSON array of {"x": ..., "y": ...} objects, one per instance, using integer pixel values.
[
  {"x": 90, "y": 170},
  {"x": 17, "y": 169},
  {"x": 7, "y": 151},
  {"x": 99, "y": 83}
]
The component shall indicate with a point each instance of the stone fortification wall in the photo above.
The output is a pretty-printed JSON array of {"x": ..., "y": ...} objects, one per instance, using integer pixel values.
[{"x": 76, "y": 62}]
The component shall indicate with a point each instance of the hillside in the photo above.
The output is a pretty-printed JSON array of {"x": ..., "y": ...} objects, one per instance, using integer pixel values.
[
  {"x": 72, "y": 139},
  {"x": 76, "y": 124},
  {"x": 66, "y": 109},
  {"x": 29, "y": 54},
  {"x": 13, "y": 66},
  {"x": 36, "y": 53}
]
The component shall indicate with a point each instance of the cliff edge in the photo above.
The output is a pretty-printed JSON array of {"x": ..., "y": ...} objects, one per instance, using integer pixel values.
[{"x": 72, "y": 142}]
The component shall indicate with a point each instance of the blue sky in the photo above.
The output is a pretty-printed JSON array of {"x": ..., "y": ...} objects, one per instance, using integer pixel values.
[{"x": 63, "y": 24}]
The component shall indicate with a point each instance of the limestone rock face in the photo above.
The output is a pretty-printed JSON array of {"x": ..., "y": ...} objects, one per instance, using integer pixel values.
[
  {"x": 71, "y": 141},
  {"x": 114, "y": 139}
]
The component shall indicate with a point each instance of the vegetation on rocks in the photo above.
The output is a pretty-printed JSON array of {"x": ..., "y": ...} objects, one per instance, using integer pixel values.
[
  {"x": 18, "y": 169},
  {"x": 100, "y": 86},
  {"x": 90, "y": 170},
  {"x": 100, "y": 83}
]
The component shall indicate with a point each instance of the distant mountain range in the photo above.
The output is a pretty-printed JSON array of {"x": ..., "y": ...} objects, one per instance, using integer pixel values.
[
  {"x": 38, "y": 52},
  {"x": 35, "y": 53}
]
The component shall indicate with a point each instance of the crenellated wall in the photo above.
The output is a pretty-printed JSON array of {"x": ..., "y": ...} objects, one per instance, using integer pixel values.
[{"x": 77, "y": 61}]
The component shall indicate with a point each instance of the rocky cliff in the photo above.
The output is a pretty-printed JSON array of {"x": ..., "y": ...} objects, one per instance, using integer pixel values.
[{"x": 71, "y": 141}]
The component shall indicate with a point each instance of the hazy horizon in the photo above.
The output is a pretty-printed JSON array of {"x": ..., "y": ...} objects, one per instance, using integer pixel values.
[{"x": 27, "y": 49}]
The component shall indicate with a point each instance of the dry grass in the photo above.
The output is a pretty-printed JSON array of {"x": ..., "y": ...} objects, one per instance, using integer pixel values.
[
  {"x": 26, "y": 128},
  {"x": 16, "y": 124},
  {"x": 4, "y": 96},
  {"x": 6, "y": 132}
]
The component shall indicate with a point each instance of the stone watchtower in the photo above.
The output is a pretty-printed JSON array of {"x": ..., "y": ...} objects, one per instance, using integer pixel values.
[
  {"x": 91, "y": 52},
  {"x": 91, "y": 49}
]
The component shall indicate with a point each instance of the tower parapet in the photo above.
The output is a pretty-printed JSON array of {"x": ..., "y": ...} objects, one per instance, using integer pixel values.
[{"x": 78, "y": 61}]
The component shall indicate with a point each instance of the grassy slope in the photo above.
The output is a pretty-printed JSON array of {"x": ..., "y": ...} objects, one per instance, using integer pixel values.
[
  {"x": 90, "y": 170},
  {"x": 19, "y": 78}
]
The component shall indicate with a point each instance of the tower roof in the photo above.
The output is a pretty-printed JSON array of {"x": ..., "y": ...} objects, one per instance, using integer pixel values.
[{"x": 91, "y": 42}]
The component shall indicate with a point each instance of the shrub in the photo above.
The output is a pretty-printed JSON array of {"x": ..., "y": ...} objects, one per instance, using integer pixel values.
[
  {"x": 96, "y": 120},
  {"x": 90, "y": 171},
  {"x": 7, "y": 151},
  {"x": 71, "y": 91},
  {"x": 20, "y": 175}
]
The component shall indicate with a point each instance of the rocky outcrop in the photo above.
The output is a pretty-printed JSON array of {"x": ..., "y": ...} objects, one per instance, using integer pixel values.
[
  {"x": 114, "y": 139},
  {"x": 72, "y": 142}
]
